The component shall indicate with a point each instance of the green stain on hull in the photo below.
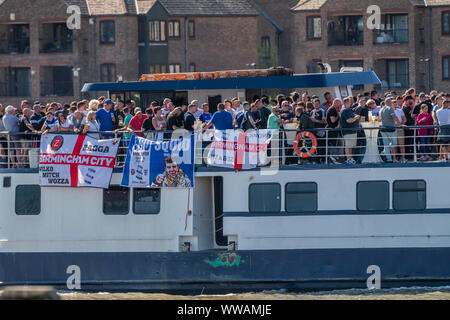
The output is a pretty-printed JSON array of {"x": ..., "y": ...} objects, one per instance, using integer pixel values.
[{"x": 226, "y": 260}]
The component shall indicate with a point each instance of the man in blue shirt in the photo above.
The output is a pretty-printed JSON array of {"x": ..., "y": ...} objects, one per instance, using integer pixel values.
[
  {"x": 106, "y": 119},
  {"x": 222, "y": 120}
]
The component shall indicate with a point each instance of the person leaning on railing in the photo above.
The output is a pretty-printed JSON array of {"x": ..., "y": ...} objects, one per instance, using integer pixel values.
[
  {"x": 92, "y": 127},
  {"x": 443, "y": 118},
  {"x": 349, "y": 122}
]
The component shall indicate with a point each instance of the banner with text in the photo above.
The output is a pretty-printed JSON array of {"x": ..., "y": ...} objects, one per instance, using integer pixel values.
[
  {"x": 159, "y": 164},
  {"x": 239, "y": 150},
  {"x": 76, "y": 161}
]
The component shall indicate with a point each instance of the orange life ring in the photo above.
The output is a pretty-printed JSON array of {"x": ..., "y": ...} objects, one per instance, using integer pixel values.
[{"x": 309, "y": 151}]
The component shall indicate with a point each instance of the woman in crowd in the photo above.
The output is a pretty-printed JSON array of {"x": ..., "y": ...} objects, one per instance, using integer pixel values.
[
  {"x": 93, "y": 105},
  {"x": 159, "y": 123},
  {"x": 63, "y": 124},
  {"x": 92, "y": 127},
  {"x": 424, "y": 119}
]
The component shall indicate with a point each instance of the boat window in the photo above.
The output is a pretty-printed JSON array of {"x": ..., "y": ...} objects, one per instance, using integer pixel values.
[
  {"x": 116, "y": 201},
  {"x": 410, "y": 195},
  {"x": 372, "y": 196},
  {"x": 265, "y": 198},
  {"x": 146, "y": 201},
  {"x": 28, "y": 200},
  {"x": 301, "y": 197}
]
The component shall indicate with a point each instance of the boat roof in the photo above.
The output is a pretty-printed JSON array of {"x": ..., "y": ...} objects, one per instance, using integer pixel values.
[{"x": 315, "y": 80}]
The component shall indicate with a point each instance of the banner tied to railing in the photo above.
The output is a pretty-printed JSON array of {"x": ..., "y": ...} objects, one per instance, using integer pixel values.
[
  {"x": 239, "y": 150},
  {"x": 76, "y": 161},
  {"x": 159, "y": 164}
]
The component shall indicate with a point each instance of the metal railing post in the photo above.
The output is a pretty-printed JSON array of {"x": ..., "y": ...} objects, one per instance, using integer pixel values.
[
  {"x": 326, "y": 146},
  {"x": 414, "y": 145},
  {"x": 9, "y": 151}
]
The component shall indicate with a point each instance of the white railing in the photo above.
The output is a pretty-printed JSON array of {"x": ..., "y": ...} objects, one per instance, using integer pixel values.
[{"x": 369, "y": 144}]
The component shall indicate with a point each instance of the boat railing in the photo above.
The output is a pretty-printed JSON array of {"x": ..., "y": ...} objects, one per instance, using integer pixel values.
[{"x": 369, "y": 143}]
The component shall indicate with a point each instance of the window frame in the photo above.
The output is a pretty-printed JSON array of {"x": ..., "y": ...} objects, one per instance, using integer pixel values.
[
  {"x": 301, "y": 212},
  {"x": 445, "y": 33},
  {"x": 102, "y": 23},
  {"x": 192, "y": 67},
  {"x": 388, "y": 198},
  {"x": 394, "y": 192},
  {"x": 308, "y": 18},
  {"x": 397, "y": 74},
  {"x": 134, "y": 202},
  {"x": 191, "y": 23},
  {"x": 448, "y": 67},
  {"x": 157, "y": 30},
  {"x": 265, "y": 49},
  {"x": 112, "y": 76},
  {"x": 15, "y": 200},
  {"x": 119, "y": 188},
  {"x": 175, "y": 65},
  {"x": 263, "y": 183},
  {"x": 175, "y": 24}
]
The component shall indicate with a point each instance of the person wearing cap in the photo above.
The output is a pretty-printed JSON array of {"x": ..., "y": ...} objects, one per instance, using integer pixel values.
[
  {"x": 106, "y": 119},
  {"x": 136, "y": 122}
]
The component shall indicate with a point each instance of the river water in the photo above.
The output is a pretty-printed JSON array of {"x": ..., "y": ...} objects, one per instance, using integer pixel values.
[{"x": 415, "y": 293}]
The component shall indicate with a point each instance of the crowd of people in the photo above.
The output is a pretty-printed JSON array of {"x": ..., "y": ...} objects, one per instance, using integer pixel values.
[{"x": 338, "y": 120}]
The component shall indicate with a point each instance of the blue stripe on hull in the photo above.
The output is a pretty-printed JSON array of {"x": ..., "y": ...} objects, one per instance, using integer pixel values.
[{"x": 221, "y": 271}]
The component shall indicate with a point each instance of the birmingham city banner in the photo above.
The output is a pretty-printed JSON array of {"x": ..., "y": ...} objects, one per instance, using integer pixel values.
[
  {"x": 76, "y": 161},
  {"x": 239, "y": 150},
  {"x": 159, "y": 164}
]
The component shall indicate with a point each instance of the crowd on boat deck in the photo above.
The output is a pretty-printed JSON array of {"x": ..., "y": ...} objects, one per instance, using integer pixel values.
[{"x": 101, "y": 117}]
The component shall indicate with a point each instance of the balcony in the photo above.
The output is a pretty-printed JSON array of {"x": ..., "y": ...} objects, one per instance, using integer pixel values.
[
  {"x": 345, "y": 39},
  {"x": 15, "y": 46},
  {"x": 56, "y": 88},
  {"x": 390, "y": 36},
  {"x": 55, "y": 38},
  {"x": 15, "y": 89}
]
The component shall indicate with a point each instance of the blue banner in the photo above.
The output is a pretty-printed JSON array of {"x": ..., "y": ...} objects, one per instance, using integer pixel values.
[{"x": 159, "y": 164}]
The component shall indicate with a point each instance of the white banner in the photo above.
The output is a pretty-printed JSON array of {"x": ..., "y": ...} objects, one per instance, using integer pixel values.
[
  {"x": 239, "y": 150},
  {"x": 76, "y": 161}
]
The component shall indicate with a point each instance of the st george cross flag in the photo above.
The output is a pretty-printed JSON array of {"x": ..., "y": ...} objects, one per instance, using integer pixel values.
[
  {"x": 239, "y": 150},
  {"x": 76, "y": 161}
]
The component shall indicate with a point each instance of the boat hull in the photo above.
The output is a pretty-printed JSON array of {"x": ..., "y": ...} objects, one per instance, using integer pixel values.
[{"x": 226, "y": 271}]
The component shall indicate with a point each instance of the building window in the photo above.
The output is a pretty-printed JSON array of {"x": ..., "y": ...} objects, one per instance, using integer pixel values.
[
  {"x": 301, "y": 197},
  {"x": 157, "y": 31},
  {"x": 410, "y": 195},
  {"x": 108, "y": 72},
  {"x": 15, "y": 38},
  {"x": 146, "y": 201},
  {"x": 28, "y": 200},
  {"x": 158, "y": 68},
  {"x": 15, "y": 82},
  {"x": 313, "y": 28},
  {"x": 345, "y": 31},
  {"x": 398, "y": 73},
  {"x": 446, "y": 68},
  {"x": 192, "y": 67},
  {"x": 116, "y": 200},
  {"x": 191, "y": 29},
  {"x": 264, "y": 198},
  {"x": 393, "y": 29},
  {"x": 174, "y": 29},
  {"x": 446, "y": 23},
  {"x": 55, "y": 37},
  {"x": 107, "y": 32},
  {"x": 372, "y": 196},
  {"x": 56, "y": 81},
  {"x": 265, "y": 47},
  {"x": 175, "y": 68}
]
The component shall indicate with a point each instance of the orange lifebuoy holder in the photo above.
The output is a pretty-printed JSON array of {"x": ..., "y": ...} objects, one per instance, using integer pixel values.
[{"x": 305, "y": 151}]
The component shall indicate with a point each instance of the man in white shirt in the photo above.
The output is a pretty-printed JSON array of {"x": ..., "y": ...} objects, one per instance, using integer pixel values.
[
  {"x": 443, "y": 118},
  {"x": 400, "y": 131}
]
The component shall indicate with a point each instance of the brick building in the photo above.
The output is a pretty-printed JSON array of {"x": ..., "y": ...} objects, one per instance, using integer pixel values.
[
  {"x": 41, "y": 59},
  {"x": 412, "y": 39},
  {"x": 194, "y": 35}
]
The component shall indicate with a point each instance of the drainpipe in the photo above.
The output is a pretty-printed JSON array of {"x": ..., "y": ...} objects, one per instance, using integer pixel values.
[
  {"x": 430, "y": 69},
  {"x": 186, "y": 33}
]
